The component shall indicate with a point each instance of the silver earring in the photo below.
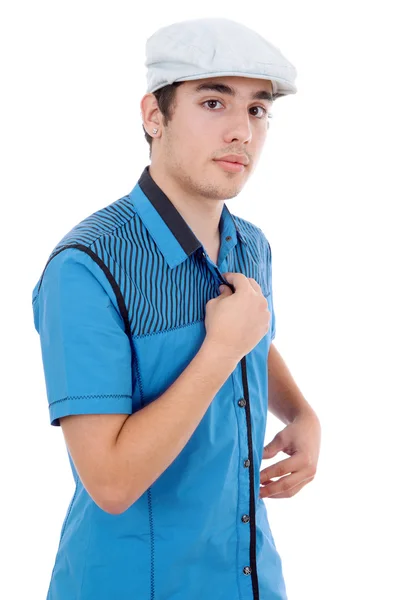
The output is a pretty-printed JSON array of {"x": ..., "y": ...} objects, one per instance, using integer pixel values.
[{"x": 155, "y": 130}]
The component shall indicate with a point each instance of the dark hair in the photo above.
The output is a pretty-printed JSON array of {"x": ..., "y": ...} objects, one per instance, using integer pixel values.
[{"x": 165, "y": 98}]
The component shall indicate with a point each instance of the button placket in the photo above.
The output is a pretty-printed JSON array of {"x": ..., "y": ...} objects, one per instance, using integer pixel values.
[
  {"x": 215, "y": 271},
  {"x": 245, "y": 514}
]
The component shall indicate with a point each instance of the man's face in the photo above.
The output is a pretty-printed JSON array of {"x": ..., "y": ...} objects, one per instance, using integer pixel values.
[{"x": 209, "y": 123}]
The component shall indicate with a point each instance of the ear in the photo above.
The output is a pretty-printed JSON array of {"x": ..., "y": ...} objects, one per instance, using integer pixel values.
[{"x": 151, "y": 114}]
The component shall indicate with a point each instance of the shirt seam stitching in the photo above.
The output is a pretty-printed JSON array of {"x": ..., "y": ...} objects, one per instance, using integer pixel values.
[
  {"x": 143, "y": 335},
  {"x": 149, "y": 490},
  {"x": 90, "y": 396}
]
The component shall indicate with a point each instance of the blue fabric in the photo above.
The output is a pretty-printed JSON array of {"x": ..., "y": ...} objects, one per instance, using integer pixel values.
[
  {"x": 86, "y": 353},
  {"x": 120, "y": 311}
]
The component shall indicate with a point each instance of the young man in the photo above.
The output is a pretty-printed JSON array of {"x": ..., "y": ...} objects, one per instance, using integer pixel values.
[{"x": 157, "y": 376}]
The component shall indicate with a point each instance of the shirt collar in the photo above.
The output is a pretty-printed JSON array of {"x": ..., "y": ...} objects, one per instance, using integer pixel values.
[{"x": 173, "y": 236}]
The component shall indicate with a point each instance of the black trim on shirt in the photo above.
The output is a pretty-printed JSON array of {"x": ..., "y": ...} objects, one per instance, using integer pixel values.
[
  {"x": 118, "y": 294},
  {"x": 253, "y": 559},
  {"x": 169, "y": 214}
]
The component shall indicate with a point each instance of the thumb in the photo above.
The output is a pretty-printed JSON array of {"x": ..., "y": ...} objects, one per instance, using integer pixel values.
[
  {"x": 272, "y": 448},
  {"x": 225, "y": 290}
]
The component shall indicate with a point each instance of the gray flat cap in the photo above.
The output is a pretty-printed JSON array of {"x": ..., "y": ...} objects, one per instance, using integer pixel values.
[{"x": 210, "y": 47}]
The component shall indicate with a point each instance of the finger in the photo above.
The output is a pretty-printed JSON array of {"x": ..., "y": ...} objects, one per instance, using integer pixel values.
[
  {"x": 294, "y": 490},
  {"x": 225, "y": 290},
  {"x": 283, "y": 485},
  {"x": 281, "y": 467},
  {"x": 237, "y": 279},
  {"x": 256, "y": 287},
  {"x": 289, "y": 494},
  {"x": 240, "y": 281}
]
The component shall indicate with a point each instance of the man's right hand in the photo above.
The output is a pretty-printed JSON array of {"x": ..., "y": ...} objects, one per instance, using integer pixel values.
[{"x": 236, "y": 322}]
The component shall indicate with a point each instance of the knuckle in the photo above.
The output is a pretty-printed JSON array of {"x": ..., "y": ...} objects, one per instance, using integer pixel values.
[
  {"x": 255, "y": 283},
  {"x": 280, "y": 471},
  {"x": 262, "y": 304},
  {"x": 310, "y": 463}
]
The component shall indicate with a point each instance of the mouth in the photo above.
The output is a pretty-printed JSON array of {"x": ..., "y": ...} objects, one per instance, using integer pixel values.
[{"x": 232, "y": 167}]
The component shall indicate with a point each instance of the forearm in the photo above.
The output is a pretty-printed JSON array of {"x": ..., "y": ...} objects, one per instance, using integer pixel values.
[
  {"x": 285, "y": 399},
  {"x": 152, "y": 437}
]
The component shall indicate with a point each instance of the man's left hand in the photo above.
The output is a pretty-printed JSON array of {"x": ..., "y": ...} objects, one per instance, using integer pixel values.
[{"x": 301, "y": 440}]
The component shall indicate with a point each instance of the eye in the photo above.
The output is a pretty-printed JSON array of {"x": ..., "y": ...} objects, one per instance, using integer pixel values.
[
  {"x": 208, "y": 101},
  {"x": 263, "y": 114}
]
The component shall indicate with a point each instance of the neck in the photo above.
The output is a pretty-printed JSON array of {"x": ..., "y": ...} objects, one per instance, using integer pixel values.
[{"x": 201, "y": 213}]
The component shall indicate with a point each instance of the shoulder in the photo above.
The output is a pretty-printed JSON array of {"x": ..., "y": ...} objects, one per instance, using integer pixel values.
[
  {"x": 79, "y": 247},
  {"x": 100, "y": 224},
  {"x": 252, "y": 234}
]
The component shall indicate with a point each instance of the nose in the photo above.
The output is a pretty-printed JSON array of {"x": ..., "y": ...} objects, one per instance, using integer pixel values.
[{"x": 238, "y": 127}]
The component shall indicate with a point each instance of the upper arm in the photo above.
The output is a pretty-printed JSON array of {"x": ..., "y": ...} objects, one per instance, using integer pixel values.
[{"x": 86, "y": 356}]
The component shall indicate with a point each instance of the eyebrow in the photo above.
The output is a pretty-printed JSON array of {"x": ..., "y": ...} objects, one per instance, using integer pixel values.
[{"x": 226, "y": 89}]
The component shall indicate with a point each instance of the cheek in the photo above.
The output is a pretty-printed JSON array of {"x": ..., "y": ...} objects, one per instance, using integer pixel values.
[
  {"x": 192, "y": 138},
  {"x": 200, "y": 124}
]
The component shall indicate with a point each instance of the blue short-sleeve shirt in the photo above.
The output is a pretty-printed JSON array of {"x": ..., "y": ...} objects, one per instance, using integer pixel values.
[{"x": 120, "y": 308}]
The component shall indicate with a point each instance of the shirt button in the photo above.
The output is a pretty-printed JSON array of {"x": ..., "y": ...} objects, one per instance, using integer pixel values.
[
  {"x": 228, "y": 238},
  {"x": 247, "y": 462},
  {"x": 247, "y": 570},
  {"x": 242, "y": 402},
  {"x": 245, "y": 518}
]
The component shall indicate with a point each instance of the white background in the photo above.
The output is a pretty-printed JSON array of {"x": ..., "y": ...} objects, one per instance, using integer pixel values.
[{"x": 325, "y": 192}]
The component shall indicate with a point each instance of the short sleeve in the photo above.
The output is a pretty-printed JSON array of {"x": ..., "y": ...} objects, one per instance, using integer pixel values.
[{"x": 86, "y": 353}]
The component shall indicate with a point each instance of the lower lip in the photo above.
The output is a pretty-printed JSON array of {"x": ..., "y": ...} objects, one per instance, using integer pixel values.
[{"x": 230, "y": 166}]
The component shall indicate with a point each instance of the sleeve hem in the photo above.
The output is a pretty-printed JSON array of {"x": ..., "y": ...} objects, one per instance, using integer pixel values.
[{"x": 90, "y": 405}]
